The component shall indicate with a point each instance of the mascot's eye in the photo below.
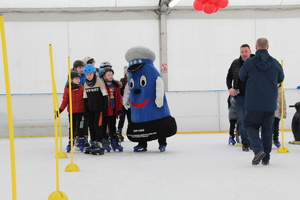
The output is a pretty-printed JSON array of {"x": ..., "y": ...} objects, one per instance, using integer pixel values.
[
  {"x": 143, "y": 81},
  {"x": 131, "y": 85}
]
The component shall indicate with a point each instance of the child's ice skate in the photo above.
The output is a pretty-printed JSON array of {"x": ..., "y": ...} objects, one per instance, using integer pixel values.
[
  {"x": 277, "y": 144},
  {"x": 120, "y": 136},
  {"x": 98, "y": 148},
  {"x": 68, "y": 148},
  {"x": 105, "y": 144},
  {"x": 81, "y": 144},
  {"x": 89, "y": 149},
  {"x": 231, "y": 141},
  {"x": 115, "y": 144},
  {"x": 162, "y": 148}
]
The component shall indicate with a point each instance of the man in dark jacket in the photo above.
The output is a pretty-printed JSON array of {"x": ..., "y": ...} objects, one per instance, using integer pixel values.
[
  {"x": 237, "y": 89},
  {"x": 262, "y": 73}
]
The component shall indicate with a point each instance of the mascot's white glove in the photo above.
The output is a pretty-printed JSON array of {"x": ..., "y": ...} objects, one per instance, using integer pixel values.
[
  {"x": 159, "y": 100},
  {"x": 126, "y": 96}
]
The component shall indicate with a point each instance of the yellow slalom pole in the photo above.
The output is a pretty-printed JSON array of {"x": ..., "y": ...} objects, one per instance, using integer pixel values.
[
  {"x": 282, "y": 149},
  {"x": 9, "y": 111},
  {"x": 57, "y": 195},
  {"x": 60, "y": 154},
  {"x": 72, "y": 167}
]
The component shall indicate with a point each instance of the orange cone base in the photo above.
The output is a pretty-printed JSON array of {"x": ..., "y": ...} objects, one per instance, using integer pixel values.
[
  {"x": 72, "y": 168},
  {"x": 58, "y": 195}
]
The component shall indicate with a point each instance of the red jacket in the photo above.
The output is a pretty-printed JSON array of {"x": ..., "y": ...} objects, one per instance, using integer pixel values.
[
  {"x": 118, "y": 100},
  {"x": 77, "y": 100}
]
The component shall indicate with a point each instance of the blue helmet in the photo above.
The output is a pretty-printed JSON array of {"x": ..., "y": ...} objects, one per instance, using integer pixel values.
[{"x": 89, "y": 68}]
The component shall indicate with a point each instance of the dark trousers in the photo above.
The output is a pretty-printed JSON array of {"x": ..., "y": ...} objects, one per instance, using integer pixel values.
[
  {"x": 95, "y": 119},
  {"x": 122, "y": 118},
  {"x": 240, "y": 112},
  {"x": 77, "y": 124},
  {"x": 110, "y": 122},
  {"x": 276, "y": 129},
  {"x": 232, "y": 127},
  {"x": 253, "y": 121}
]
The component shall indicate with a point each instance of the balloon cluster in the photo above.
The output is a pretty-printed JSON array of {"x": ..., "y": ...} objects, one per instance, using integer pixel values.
[{"x": 210, "y": 6}]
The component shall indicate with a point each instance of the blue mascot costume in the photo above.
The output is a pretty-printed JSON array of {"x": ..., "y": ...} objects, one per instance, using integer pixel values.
[{"x": 150, "y": 114}]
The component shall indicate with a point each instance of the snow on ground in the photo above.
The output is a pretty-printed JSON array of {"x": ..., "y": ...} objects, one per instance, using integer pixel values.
[{"x": 195, "y": 166}]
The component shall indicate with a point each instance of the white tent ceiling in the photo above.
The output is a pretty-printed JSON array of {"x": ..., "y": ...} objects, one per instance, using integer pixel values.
[{"x": 79, "y": 5}]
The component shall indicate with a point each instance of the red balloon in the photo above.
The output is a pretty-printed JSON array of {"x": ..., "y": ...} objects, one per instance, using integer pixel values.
[
  {"x": 216, "y": 9},
  {"x": 222, "y": 3},
  {"x": 198, "y": 5},
  {"x": 213, "y": 1},
  {"x": 208, "y": 8}
]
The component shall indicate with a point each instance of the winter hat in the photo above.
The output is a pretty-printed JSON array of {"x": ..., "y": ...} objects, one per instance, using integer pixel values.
[
  {"x": 125, "y": 70},
  {"x": 86, "y": 59}
]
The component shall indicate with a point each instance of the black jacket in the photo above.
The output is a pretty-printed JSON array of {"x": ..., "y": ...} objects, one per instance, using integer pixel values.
[{"x": 233, "y": 75}]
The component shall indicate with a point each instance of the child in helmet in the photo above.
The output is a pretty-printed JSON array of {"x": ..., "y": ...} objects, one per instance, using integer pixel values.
[
  {"x": 81, "y": 140},
  {"x": 78, "y": 66},
  {"x": 102, "y": 66},
  {"x": 95, "y": 104},
  {"x": 115, "y": 106}
]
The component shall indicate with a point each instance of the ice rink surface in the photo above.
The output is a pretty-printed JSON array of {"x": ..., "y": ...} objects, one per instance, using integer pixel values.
[{"x": 194, "y": 166}]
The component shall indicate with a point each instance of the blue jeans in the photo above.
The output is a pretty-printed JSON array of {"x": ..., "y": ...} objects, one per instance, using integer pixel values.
[
  {"x": 253, "y": 121},
  {"x": 240, "y": 112}
]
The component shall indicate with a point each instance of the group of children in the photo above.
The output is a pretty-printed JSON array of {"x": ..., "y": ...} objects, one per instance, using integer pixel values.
[
  {"x": 96, "y": 105},
  {"x": 277, "y": 117}
]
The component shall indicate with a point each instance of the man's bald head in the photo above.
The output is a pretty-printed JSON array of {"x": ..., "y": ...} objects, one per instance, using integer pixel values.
[{"x": 262, "y": 43}]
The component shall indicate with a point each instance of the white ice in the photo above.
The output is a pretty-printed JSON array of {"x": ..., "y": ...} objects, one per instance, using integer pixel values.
[{"x": 194, "y": 166}]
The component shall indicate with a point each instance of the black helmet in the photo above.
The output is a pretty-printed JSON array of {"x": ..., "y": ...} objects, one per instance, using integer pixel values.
[
  {"x": 78, "y": 63},
  {"x": 74, "y": 74},
  {"x": 105, "y": 64},
  {"x": 107, "y": 69}
]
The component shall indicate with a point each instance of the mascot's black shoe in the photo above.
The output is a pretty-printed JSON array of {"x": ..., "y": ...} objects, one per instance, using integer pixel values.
[
  {"x": 139, "y": 148},
  {"x": 162, "y": 148}
]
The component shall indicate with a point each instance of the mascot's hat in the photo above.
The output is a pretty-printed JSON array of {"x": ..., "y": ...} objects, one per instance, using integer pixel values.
[{"x": 136, "y": 55}]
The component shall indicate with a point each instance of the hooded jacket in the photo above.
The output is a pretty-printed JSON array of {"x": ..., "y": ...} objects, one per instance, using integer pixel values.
[{"x": 262, "y": 73}]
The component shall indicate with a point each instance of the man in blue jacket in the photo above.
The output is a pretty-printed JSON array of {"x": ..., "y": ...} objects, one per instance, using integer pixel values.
[{"x": 262, "y": 73}]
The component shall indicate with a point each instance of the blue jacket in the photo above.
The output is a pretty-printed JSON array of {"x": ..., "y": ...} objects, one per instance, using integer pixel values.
[{"x": 262, "y": 73}]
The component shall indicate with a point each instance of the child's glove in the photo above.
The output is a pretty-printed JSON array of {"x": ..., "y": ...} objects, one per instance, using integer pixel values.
[{"x": 60, "y": 111}]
